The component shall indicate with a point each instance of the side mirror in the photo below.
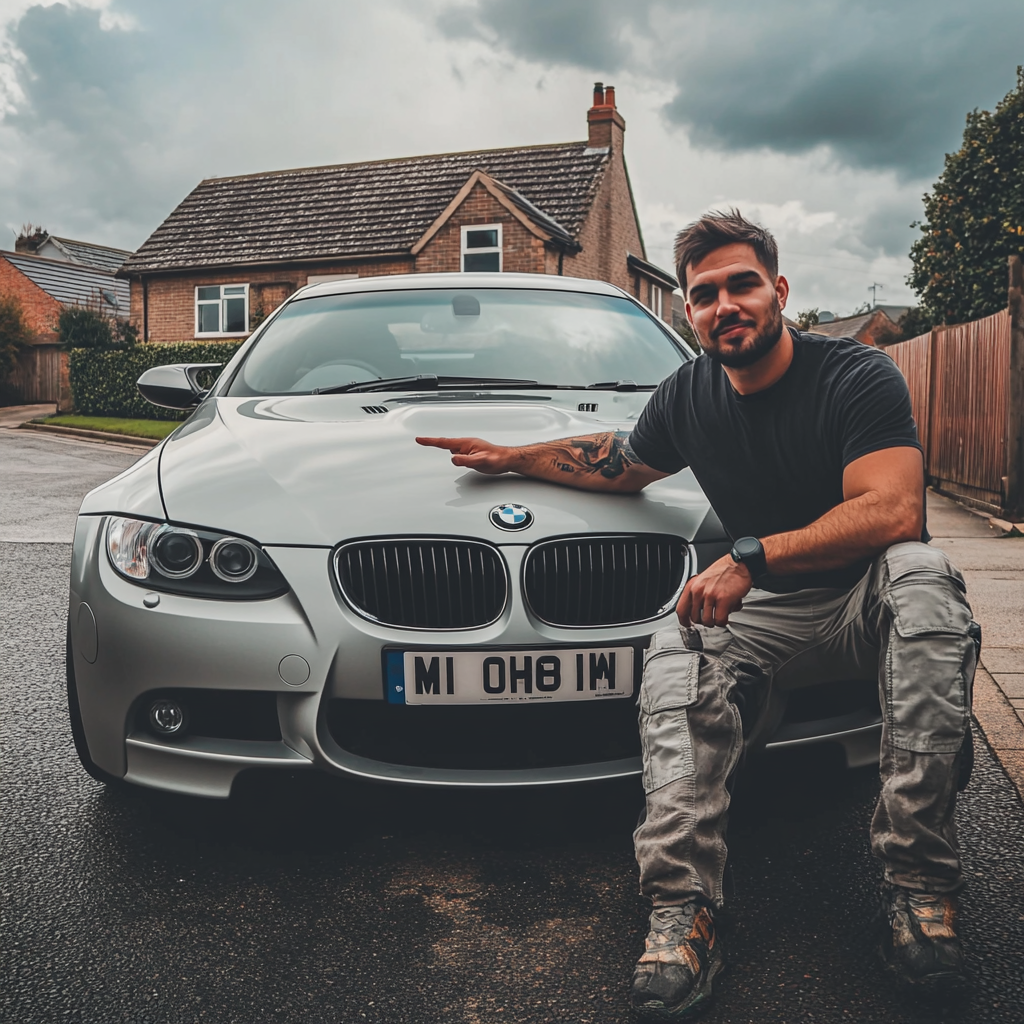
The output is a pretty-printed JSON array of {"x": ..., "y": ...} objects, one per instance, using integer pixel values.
[{"x": 175, "y": 386}]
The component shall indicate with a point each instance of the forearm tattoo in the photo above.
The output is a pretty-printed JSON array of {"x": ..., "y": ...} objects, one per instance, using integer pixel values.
[{"x": 608, "y": 454}]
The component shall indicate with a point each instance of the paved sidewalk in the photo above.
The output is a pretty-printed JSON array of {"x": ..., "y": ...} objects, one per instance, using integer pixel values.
[
  {"x": 14, "y": 415},
  {"x": 993, "y": 566}
]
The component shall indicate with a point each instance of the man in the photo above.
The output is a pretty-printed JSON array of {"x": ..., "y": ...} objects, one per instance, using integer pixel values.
[{"x": 807, "y": 450}]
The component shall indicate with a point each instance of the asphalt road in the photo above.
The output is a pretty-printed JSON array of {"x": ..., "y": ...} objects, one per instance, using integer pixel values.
[{"x": 310, "y": 899}]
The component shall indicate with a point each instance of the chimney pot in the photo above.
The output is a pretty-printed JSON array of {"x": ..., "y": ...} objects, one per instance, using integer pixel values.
[
  {"x": 598, "y": 94},
  {"x": 609, "y": 96}
]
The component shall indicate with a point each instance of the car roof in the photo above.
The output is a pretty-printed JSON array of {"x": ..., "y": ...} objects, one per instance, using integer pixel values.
[{"x": 408, "y": 282}]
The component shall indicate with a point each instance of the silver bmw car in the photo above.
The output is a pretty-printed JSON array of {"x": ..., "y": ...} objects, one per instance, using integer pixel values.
[{"x": 289, "y": 581}]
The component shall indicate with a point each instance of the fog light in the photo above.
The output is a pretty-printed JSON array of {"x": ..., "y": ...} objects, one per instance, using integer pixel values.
[{"x": 167, "y": 717}]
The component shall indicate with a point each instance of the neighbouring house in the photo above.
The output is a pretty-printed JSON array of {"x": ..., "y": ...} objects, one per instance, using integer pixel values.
[
  {"x": 44, "y": 285},
  {"x": 39, "y": 242},
  {"x": 235, "y": 248},
  {"x": 872, "y": 328}
]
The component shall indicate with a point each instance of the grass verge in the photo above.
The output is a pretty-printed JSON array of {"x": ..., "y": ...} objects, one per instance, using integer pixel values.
[{"x": 156, "y": 429}]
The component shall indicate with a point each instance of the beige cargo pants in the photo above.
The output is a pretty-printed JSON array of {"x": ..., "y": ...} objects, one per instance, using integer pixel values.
[{"x": 705, "y": 689}]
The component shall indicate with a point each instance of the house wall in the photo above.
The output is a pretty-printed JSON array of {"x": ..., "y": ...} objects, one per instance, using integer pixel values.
[
  {"x": 522, "y": 251},
  {"x": 610, "y": 231},
  {"x": 41, "y": 310},
  {"x": 172, "y": 299}
]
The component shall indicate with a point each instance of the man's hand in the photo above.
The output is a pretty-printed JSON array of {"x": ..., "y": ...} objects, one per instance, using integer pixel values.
[
  {"x": 474, "y": 453},
  {"x": 709, "y": 598}
]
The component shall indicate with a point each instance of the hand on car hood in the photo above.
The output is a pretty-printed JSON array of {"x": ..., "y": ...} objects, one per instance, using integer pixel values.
[{"x": 320, "y": 469}]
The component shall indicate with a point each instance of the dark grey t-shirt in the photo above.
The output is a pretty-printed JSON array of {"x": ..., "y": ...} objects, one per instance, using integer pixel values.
[{"x": 773, "y": 461}]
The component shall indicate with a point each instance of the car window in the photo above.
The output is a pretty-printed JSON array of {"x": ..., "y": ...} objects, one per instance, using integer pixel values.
[{"x": 562, "y": 338}]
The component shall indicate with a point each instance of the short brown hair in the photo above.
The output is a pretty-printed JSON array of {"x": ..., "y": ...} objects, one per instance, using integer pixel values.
[{"x": 716, "y": 229}]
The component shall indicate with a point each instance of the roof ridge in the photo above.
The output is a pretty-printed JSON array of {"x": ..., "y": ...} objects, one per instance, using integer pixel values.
[
  {"x": 57, "y": 263},
  {"x": 393, "y": 160},
  {"x": 90, "y": 245}
]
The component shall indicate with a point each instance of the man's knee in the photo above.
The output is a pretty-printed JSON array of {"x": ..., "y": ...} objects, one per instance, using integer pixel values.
[{"x": 930, "y": 655}]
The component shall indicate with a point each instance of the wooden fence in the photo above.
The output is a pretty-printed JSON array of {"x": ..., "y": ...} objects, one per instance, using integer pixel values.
[
  {"x": 960, "y": 384},
  {"x": 41, "y": 374}
]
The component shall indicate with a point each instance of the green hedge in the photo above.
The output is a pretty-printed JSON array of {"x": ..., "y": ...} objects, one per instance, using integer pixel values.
[{"x": 103, "y": 383}]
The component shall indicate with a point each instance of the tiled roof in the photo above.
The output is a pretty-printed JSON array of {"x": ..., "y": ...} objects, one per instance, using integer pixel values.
[
  {"x": 352, "y": 210},
  {"x": 849, "y": 326},
  {"x": 73, "y": 284},
  {"x": 103, "y": 256}
]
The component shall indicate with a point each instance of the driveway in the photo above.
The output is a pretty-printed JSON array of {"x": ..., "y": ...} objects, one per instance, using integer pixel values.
[{"x": 312, "y": 900}]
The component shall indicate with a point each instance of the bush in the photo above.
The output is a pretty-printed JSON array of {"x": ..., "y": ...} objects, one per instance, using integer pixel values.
[
  {"x": 103, "y": 383},
  {"x": 81, "y": 327}
]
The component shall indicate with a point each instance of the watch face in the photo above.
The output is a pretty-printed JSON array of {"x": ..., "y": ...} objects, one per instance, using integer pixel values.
[{"x": 747, "y": 546}]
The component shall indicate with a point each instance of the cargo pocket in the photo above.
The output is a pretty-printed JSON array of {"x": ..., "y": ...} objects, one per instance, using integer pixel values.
[
  {"x": 931, "y": 656},
  {"x": 668, "y": 688}
]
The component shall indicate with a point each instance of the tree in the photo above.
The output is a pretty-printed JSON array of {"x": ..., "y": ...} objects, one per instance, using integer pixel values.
[
  {"x": 81, "y": 327},
  {"x": 15, "y": 334},
  {"x": 808, "y": 318},
  {"x": 914, "y": 322},
  {"x": 974, "y": 218}
]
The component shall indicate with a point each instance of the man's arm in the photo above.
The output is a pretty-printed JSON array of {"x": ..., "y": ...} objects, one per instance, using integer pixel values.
[
  {"x": 595, "y": 462},
  {"x": 884, "y": 504}
]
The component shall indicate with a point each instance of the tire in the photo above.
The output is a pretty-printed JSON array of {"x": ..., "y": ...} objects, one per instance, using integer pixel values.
[{"x": 78, "y": 730}]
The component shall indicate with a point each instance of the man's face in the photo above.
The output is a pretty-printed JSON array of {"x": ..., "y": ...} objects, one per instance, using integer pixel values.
[{"x": 734, "y": 305}]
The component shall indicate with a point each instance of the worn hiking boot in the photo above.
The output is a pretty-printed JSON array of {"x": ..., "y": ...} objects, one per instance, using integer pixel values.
[
  {"x": 919, "y": 941},
  {"x": 673, "y": 978}
]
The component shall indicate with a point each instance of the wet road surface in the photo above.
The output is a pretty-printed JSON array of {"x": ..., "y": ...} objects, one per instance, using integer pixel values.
[{"x": 310, "y": 899}]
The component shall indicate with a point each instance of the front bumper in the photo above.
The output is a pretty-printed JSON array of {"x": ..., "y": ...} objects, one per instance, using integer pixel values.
[{"x": 124, "y": 650}]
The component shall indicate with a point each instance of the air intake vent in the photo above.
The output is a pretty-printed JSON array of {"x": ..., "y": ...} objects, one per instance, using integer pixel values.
[
  {"x": 604, "y": 581},
  {"x": 374, "y": 410},
  {"x": 587, "y": 407},
  {"x": 423, "y": 584}
]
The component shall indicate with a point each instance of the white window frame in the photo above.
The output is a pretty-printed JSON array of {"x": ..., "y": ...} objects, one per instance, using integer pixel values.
[
  {"x": 464, "y": 251},
  {"x": 220, "y": 319}
]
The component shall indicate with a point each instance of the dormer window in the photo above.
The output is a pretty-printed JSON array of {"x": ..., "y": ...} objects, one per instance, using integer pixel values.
[{"x": 481, "y": 248}]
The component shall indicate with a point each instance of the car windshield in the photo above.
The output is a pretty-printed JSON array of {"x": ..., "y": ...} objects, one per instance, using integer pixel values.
[{"x": 552, "y": 337}]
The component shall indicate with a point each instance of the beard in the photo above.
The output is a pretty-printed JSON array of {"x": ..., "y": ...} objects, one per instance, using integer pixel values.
[{"x": 753, "y": 349}]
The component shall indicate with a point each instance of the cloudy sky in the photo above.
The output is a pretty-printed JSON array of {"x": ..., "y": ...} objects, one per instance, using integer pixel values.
[{"x": 825, "y": 119}]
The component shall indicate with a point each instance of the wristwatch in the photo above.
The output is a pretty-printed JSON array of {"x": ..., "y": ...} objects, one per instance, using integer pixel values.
[{"x": 750, "y": 552}]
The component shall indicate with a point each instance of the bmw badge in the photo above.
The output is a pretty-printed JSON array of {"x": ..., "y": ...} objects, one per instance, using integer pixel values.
[{"x": 511, "y": 517}]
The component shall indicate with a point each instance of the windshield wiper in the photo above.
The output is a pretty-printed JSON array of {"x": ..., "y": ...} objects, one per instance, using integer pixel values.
[
  {"x": 620, "y": 385},
  {"x": 424, "y": 382}
]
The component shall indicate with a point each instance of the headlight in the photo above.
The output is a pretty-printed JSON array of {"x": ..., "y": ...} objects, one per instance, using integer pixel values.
[{"x": 200, "y": 563}]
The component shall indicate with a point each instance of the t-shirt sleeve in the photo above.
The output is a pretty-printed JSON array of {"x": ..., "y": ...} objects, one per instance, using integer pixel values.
[
  {"x": 653, "y": 437},
  {"x": 875, "y": 409}
]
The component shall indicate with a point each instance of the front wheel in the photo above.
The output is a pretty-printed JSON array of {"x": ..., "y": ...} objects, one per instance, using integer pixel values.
[{"x": 77, "y": 729}]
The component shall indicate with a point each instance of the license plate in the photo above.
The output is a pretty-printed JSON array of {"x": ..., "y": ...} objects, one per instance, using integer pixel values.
[{"x": 508, "y": 677}]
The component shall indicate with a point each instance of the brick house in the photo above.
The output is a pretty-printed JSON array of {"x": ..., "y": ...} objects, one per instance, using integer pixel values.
[
  {"x": 235, "y": 248},
  {"x": 44, "y": 285}
]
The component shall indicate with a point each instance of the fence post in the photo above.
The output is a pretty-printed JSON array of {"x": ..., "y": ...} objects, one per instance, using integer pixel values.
[
  {"x": 1015, "y": 428},
  {"x": 929, "y": 425}
]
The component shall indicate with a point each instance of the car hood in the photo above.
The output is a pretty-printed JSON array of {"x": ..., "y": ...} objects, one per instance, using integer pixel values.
[{"x": 321, "y": 469}]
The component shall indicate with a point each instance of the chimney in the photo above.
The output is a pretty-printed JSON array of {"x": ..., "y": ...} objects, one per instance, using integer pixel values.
[
  {"x": 604, "y": 122},
  {"x": 30, "y": 238}
]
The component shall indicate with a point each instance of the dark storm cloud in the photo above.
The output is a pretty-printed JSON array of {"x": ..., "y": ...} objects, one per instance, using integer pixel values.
[
  {"x": 122, "y": 112},
  {"x": 584, "y": 33},
  {"x": 884, "y": 85}
]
